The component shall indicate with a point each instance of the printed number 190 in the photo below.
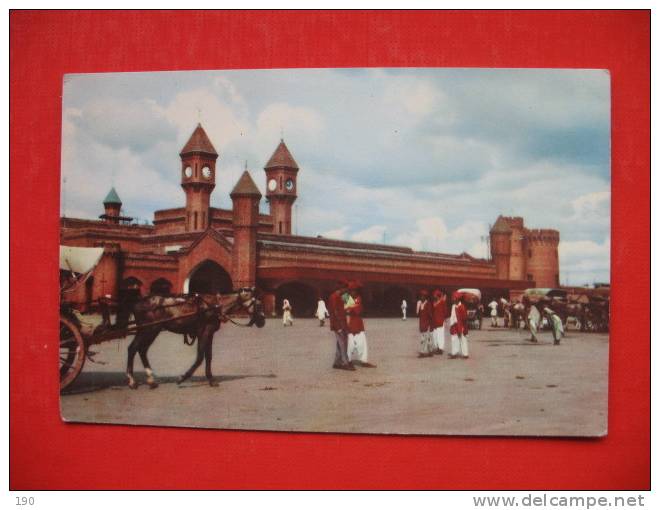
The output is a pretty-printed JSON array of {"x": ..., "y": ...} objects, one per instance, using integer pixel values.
[{"x": 22, "y": 501}]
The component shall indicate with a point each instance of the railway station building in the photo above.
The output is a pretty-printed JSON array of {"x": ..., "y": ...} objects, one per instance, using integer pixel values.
[{"x": 202, "y": 249}]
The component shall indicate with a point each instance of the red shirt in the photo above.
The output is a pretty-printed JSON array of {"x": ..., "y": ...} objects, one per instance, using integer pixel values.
[
  {"x": 425, "y": 316},
  {"x": 355, "y": 322},
  {"x": 461, "y": 318},
  {"x": 439, "y": 313},
  {"x": 336, "y": 312}
]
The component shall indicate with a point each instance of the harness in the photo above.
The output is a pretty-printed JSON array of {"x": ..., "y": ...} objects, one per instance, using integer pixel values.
[{"x": 224, "y": 317}]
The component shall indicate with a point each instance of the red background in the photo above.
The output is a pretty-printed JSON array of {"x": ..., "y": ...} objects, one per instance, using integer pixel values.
[{"x": 46, "y": 453}]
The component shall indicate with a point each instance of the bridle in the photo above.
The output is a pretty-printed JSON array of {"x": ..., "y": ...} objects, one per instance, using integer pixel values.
[{"x": 251, "y": 305}]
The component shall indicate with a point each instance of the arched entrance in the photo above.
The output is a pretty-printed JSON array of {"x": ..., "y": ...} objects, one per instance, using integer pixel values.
[
  {"x": 208, "y": 278},
  {"x": 392, "y": 298},
  {"x": 303, "y": 298},
  {"x": 161, "y": 287}
]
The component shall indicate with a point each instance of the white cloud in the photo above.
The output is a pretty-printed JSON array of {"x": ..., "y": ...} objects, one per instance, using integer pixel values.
[
  {"x": 584, "y": 261},
  {"x": 277, "y": 120},
  {"x": 373, "y": 234},
  {"x": 337, "y": 233},
  {"x": 224, "y": 122},
  {"x": 592, "y": 206}
]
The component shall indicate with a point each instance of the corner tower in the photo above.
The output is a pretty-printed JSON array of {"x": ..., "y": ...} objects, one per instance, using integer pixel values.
[
  {"x": 543, "y": 257},
  {"x": 198, "y": 158},
  {"x": 500, "y": 247},
  {"x": 281, "y": 187}
]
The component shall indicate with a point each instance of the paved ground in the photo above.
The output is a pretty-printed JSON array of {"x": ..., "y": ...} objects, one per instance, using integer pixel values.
[{"x": 280, "y": 379}]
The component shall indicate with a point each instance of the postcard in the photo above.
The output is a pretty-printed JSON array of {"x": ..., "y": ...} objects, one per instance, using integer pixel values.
[{"x": 373, "y": 251}]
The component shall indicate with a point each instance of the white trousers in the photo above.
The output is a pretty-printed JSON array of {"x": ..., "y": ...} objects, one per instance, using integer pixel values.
[
  {"x": 357, "y": 347},
  {"x": 459, "y": 345},
  {"x": 403, "y": 311},
  {"x": 286, "y": 318},
  {"x": 439, "y": 338},
  {"x": 426, "y": 342}
]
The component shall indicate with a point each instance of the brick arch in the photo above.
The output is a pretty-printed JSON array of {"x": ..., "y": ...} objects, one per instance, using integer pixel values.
[
  {"x": 302, "y": 295},
  {"x": 161, "y": 286},
  {"x": 130, "y": 279},
  {"x": 207, "y": 248},
  {"x": 215, "y": 279}
]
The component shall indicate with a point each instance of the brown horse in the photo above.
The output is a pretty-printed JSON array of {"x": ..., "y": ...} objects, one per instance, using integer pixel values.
[{"x": 194, "y": 316}]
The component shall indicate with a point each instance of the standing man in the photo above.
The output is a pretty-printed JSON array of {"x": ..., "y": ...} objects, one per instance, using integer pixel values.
[
  {"x": 404, "y": 308},
  {"x": 339, "y": 327},
  {"x": 493, "y": 313},
  {"x": 506, "y": 312},
  {"x": 555, "y": 323},
  {"x": 357, "y": 339},
  {"x": 321, "y": 312},
  {"x": 459, "y": 329},
  {"x": 287, "y": 319},
  {"x": 438, "y": 321},
  {"x": 425, "y": 315},
  {"x": 533, "y": 318}
]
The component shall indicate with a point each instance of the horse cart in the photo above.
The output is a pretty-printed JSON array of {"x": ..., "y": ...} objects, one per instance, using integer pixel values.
[
  {"x": 196, "y": 317},
  {"x": 472, "y": 300}
]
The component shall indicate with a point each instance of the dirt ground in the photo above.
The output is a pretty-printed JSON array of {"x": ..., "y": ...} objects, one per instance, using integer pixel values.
[{"x": 279, "y": 378}]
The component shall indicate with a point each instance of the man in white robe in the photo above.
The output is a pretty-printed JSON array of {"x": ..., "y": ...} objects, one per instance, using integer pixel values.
[{"x": 321, "y": 312}]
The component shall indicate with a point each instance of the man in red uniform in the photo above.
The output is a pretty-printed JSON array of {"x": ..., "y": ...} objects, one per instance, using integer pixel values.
[
  {"x": 357, "y": 338},
  {"x": 459, "y": 328},
  {"x": 440, "y": 315},
  {"x": 339, "y": 326},
  {"x": 425, "y": 314}
]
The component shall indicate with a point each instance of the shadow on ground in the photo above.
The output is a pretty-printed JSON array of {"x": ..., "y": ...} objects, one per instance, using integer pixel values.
[{"x": 91, "y": 382}]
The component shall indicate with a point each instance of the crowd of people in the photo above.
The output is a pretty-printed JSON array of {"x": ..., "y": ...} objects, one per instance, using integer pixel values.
[
  {"x": 440, "y": 323},
  {"x": 443, "y": 322}
]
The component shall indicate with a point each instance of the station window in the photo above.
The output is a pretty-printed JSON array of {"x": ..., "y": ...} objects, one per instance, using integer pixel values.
[{"x": 530, "y": 277}]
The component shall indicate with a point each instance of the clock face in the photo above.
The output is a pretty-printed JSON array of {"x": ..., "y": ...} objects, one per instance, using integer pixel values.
[
  {"x": 272, "y": 184},
  {"x": 188, "y": 171},
  {"x": 206, "y": 172},
  {"x": 289, "y": 184}
]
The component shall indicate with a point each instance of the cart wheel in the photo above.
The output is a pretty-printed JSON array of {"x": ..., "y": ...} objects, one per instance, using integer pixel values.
[{"x": 72, "y": 352}]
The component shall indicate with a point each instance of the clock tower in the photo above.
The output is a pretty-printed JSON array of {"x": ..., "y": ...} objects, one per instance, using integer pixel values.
[
  {"x": 281, "y": 187},
  {"x": 198, "y": 159}
]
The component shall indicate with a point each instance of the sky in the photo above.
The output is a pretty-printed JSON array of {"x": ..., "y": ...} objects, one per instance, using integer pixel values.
[{"x": 426, "y": 158}]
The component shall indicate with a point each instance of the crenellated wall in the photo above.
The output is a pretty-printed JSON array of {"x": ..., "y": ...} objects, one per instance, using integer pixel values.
[{"x": 543, "y": 257}]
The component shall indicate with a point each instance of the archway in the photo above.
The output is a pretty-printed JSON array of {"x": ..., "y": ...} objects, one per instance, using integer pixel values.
[
  {"x": 161, "y": 287},
  {"x": 208, "y": 278},
  {"x": 303, "y": 298},
  {"x": 392, "y": 298}
]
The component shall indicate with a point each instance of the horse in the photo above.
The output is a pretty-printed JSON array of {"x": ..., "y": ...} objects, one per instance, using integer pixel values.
[{"x": 194, "y": 316}]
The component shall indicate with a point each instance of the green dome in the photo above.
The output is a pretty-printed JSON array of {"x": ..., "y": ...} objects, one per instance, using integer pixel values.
[{"x": 112, "y": 198}]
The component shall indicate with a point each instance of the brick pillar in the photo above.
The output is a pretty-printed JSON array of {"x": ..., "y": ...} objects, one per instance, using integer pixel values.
[
  {"x": 269, "y": 304},
  {"x": 245, "y": 198}
]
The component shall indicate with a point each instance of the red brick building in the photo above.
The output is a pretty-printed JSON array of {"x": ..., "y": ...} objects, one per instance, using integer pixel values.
[{"x": 199, "y": 248}]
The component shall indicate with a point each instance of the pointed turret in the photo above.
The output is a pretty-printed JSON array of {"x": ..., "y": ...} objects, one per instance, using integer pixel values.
[
  {"x": 112, "y": 205},
  {"x": 281, "y": 187},
  {"x": 198, "y": 159},
  {"x": 281, "y": 158},
  {"x": 199, "y": 143},
  {"x": 245, "y": 187},
  {"x": 112, "y": 198}
]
